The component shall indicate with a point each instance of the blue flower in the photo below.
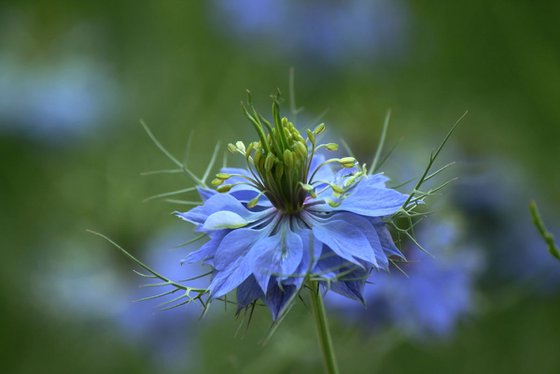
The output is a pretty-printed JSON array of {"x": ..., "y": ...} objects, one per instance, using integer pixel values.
[
  {"x": 57, "y": 98},
  {"x": 325, "y": 32},
  {"x": 431, "y": 294},
  {"x": 292, "y": 216},
  {"x": 503, "y": 227}
]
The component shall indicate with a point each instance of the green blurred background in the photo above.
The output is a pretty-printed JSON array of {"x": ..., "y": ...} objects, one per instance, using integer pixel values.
[{"x": 76, "y": 77}]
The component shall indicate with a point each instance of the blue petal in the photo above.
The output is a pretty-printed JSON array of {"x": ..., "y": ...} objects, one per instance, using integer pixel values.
[
  {"x": 205, "y": 193},
  {"x": 369, "y": 198},
  {"x": 311, "y": 252},
  {"x": 234, "y": 260},
  {"x": 215, "y": 203},
  {"x": 368, "y": 230},
  {"x": 278, "y": 255},
  {"x": 207, "y": 250},
  {"x": 262, "y": 270},
  {"x": 330, "y": 265},
  {"x": 345, "y": 239},
  {"x": 229, "y": 278},
  {"x": 376, "y": 180},
  {"x": 341, "y": 276},
  {"x": 386, "y": 239},
  {"x": 279, "y": 299},
  {"x": 240, "y": 171},
  {"x": 351, "y": 285},
  {"x": 236, "y": 244},
  {"x": 247, "y": 292},
  {"x": 325, "y": 173},
  {"x": 224, "y": 220}
]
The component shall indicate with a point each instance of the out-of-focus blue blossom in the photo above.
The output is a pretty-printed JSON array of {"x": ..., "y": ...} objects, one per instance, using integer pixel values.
[
  {"x": 84, "y": 285},
  {"x": 331, "y": 32},
  {"x": 54, "y": 102},
  {"x": 169, "y": 335},
  {"x": 432, "y": 292},
  {"x": 496, "y": 200},
  {"x": 57, "y": 94},
  {"x": 79, "y": 282}
]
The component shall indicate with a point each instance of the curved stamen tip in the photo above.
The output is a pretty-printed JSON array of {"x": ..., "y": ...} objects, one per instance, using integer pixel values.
[
  {"x": 319, "y": 129},
  {"x": 224, "y": 188}
]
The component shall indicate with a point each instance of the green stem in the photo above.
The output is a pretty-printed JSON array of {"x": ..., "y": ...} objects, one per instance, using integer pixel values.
[
  {"x": 323, "y": 329},
  {"x": 545, "y": 234}
]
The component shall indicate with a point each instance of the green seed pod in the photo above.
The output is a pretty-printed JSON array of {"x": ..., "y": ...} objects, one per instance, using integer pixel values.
[
  {"x": 258, "y": 156},
  {"x": 240, "y": 146},
  {"x": 336, "y": 188},
  {"x": 223, "y": 176},
  {"x": 311, "y": 136},
  {"x": 347, "y": 162},
  {"x": 301, "y": 150},
  {"x": 224, "y": 188},
  {"x": 288, "y": 135},
  {"x": 319, "y": 129},
  {"x": 352, "y": 180},
  {"x": 278, "y": 171},
  {"x": 269, "y": 162},
  {"x": 288, "y": 159},
  {"x": 297, "y": 135},
  {"x": 332, "y": 146},
  {"x": 232, "y": 148}
]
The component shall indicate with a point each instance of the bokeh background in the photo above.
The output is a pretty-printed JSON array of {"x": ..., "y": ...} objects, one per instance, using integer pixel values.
[{"x": 76, "y": 78}]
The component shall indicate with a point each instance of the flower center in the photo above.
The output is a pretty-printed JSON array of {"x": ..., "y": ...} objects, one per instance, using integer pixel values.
[{"x": 280, "y": 161}]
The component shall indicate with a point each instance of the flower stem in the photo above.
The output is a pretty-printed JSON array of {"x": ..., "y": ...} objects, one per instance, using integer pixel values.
[{"x": 323, "y": 329}]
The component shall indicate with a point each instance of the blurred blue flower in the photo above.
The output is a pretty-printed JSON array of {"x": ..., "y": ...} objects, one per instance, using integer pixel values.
[
  {"x": 496, "y": 201},
  {"x": 431, "y": 293},
  {"x": 291, "y": 216},
  {"x": 54, "y": 102},
  {"x": 83, "y": 285},
  {"x": 54, "y": 91},
  {"x": 169, "y": 336},
  {"x": 331, "y": 32}
]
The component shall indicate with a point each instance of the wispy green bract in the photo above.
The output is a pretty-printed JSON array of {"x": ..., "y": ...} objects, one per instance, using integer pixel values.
[{"x": 186, "y": 294}]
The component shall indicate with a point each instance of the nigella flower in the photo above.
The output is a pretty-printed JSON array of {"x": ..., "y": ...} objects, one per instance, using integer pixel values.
[{"x": 292, "y": 216}]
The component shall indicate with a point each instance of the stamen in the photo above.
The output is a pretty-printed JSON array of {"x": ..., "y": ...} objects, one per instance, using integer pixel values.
[
  {"x": 319, "y": 129},
  {"x": 328, "y": 146},
  {"x": 346, "y": 162}
]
